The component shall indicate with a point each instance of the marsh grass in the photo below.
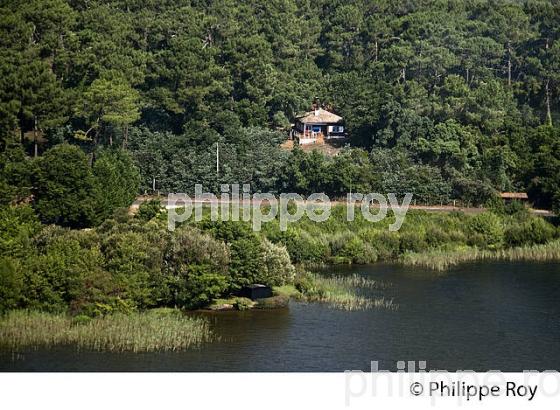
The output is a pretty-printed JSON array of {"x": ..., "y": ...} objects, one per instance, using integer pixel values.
[
  {"x": 341, "y": 292},
  {"x": 442, "y": 260},
  {"x": 136, "y": 332}
]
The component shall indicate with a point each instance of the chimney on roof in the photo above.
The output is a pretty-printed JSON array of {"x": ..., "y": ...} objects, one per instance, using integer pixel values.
[{"x": 316, "y": 112}]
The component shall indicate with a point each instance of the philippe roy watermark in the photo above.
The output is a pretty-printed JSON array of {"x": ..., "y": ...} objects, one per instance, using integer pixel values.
[
  {"x": 412, "y": 379},
  {"x": 236, "y": 204}
]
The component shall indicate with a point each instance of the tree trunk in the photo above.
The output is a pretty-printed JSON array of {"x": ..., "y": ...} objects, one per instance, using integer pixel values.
[
  {"x": 547, "y": 98},
  {"x": 509, "y": 64},
  {"x": 95, "y": 140},
  {"x": 376, "y": 48},
  {"x": 547, "y": 94},
  {"x": 125, "y": 140},
  {"x": 35, "y": 147}
]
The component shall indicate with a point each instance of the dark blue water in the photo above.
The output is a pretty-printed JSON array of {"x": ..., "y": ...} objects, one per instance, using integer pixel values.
[{"x": 499, "y": 316}]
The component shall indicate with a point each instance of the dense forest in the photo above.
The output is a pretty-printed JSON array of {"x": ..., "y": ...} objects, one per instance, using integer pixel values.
[
  {"x": 446, "y": 99},
  {"x": 103, "y": 100}
]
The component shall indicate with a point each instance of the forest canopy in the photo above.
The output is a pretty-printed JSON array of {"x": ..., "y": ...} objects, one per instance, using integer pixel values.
[{"x": 461, "y": 97}]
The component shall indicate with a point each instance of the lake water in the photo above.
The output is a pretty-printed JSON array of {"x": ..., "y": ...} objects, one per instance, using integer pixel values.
[{"x": 499, "y": 316}]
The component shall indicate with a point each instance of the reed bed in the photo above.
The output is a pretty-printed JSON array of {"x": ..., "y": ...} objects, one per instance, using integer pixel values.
[
  {"x": 340, "y": 292},
  {"x": 136, "y": 332},
  {"x": 442, "y": 260},
  {"x": 358, "y": 281}
]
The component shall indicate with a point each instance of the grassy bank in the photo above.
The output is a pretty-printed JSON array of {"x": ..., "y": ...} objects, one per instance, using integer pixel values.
[
  {"x": 157, "y": 330},
  {"x": 442, "y": 260},
  {"x": 341, "y": 292}
]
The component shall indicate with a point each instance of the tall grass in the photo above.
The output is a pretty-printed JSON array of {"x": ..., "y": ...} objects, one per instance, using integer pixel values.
[
  {"x": 442, "y": 260},
  {"x": 341, "y": 293},
  {"x": 136, "y": 332}
]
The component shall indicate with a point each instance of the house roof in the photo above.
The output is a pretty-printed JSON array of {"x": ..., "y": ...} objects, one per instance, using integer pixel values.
[
  {"x": 514, "y": 195},
  {"x": 319, "y": 116}
]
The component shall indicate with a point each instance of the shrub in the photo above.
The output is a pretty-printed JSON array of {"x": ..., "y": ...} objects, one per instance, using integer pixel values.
[
  {"x": 199, "y": 285},
  {"x": 354, "y": 250},
  {"x": 437, "y": 236},
  {"x": 11, "y": 284},
  {"x": 485, "y": 230},
  {"x": 149, "y": 209},
  {"x": 516, "y": 208},
  {"x": 412, "y": 241},
  {"x": 247, "y": 262},
  {"x": 118, "y": 180},
  {"x": 533, "y": 231},
  {"x": 278, "y": 269},
  {"x": 243, "y": 304},
  {"x": 198, "y": 265},
  {"x": 303, "y": 247},
  {"x": 63, "y": 272},
  {"x": 17, "y": 225},
  {"x": 306, "y": 284},
  {"x": 386, "y": 244},
  {"x": 128, "y": 258}
]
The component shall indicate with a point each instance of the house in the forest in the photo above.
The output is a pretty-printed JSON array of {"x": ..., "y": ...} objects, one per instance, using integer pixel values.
[{"x": 317, "y": 127}]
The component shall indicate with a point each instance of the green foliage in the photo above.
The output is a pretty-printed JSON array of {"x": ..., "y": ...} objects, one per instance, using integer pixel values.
[
  {"x": 66, "y": 192},
  {"x": 111, "y": 102},
  {"x": 18, "y": 224},
  {"x": 242, "y": 304},
  {"x": 277, "y": 266},
  {"x": 16, "y": 173},
  {"x": 149, "y": 209},
  {"x": 201, "y": 286},
  {"x": 198, "y": 268},
  {"x": 118, "y": 181},
  {"x": 456, "y": 89},
  {"x": 486, "y": 230},
  {"x": 532, "y": 231},
  {"x": 11, "y": 284}
]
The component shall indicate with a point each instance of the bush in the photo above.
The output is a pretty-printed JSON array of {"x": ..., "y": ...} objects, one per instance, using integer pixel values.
[
  {"x": 354, "y": 250},
  {"x": 412, "y": 241},
  {"x": 485, "y": 230},
  {"x": 199, "y": 286},
  {"x": 63, "y": 272},
  {"x": 303, "y": 247},
  {"x": 437, "y": 236},
  {"x": 278, "y": 269},
  {"x": 385, "y": 243},
  {"x": 128, "y": 257},
  {"x": 198, "y": 266},
  {"x": 305, "y": 283},
  {"x": 247, "y": 262},
  {"x": 118, "y": 180},
  {"x": 149, "y": 209},
  {"x": 11, "y": 284},
  {"x": 533, "y": 231},
  {"x": 16, "y": 174},
  {"x": 17, "y": 225},
  {"x": 243, "y": 304}
]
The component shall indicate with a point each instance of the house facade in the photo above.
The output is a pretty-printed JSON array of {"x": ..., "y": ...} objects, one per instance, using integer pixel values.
[{"x": 317, "y": 127}]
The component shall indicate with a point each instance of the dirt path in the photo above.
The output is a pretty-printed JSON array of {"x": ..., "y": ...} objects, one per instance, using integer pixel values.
[{"x": 428, "y": 208}]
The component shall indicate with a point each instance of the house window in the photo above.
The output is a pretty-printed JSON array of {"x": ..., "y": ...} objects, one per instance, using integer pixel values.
[
  {"x": 337, "y": 128},
  {"x": 316, "y": 128}
]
